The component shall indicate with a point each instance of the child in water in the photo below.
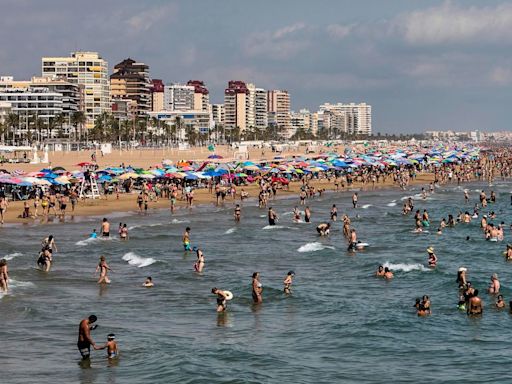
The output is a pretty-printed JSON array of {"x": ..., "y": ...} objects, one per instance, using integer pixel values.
[
  {"x": 94, "y": 235},
  {"x": 148, "y": 283},
  {"x": 111, "y": 346}
]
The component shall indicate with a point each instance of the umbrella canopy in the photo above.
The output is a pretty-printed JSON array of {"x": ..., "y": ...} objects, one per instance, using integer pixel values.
[{"x": 215, "y": 157}]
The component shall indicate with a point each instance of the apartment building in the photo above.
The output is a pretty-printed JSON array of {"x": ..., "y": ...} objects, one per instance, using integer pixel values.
[
  {"x": 278, "y": 107},
  {"x": 89, "y": 70},
  {"x": 130, "y": 81}
]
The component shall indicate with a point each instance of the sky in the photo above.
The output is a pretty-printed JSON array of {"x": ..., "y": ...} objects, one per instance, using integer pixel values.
[{"x": 422, "y": 65}]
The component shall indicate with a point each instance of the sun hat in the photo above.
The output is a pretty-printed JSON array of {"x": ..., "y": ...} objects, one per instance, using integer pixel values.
[{"x": 430, "y": 249}]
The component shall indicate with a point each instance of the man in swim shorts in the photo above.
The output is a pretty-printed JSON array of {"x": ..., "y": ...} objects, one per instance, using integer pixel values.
[
  {"x": 84, "y": 336},
  {"x": 323, "y": 229},
  {"x": 272, "y": 216},
  {"x": 475, "y": 304},
  {"x": 105, "y": 228},
  {"x": 186, "y": 239}
]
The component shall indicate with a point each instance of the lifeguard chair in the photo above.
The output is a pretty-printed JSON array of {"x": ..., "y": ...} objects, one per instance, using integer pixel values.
[{"x": 88, "y": 185}]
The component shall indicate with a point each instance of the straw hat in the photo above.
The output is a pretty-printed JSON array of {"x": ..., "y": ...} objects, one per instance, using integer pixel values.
[
  {"x": 430, "y": 249},
  {"x": 463, "y": 269}
]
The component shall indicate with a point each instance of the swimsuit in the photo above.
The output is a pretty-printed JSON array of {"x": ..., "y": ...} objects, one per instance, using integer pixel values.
[
  {"x": 85, "y": 349},
  {"x": 106, "y": 234}
]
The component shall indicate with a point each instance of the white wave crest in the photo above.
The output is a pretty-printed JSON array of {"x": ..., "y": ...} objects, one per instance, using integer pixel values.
[
  {"x": 406, "y": 267},
  {"x": 230, "y": 230},
  {"x": 11, "y": 256},
  {"x": 88, "y": 241},
  {"x": 392, "y": 204},
  {"x": 14, "y": 285},
  {"x": 366, "y": 206},
  {"x": 176, "y": 221},
  {"x": 313, "y": 247},
  {"x": 134, "y": 259}
]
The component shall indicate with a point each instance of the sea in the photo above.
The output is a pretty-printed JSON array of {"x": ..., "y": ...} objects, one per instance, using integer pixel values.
[{"x": 341, "y": 324}]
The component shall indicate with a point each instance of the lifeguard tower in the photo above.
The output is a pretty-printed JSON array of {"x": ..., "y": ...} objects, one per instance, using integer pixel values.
[{"x": 88, "y": 185}]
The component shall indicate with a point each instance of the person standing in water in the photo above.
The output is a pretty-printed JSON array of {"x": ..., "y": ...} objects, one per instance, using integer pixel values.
[
  {"x": 432, "y": 258},
  {"x": 238, "y": 213},
  {"x": 105, "y": 228},
  {"x": 4, "y": 276},
  {"x": 221, "y": 299},
  {"x": 186, "y": 239},
  {"x": 199, "y": 264},
  {"x": 272, "y": 217},
  {"x": 257, "y": 288},
  {"x": 288, "y": 282},
  {"x": 475, "y": 306},
  {"x": 352, "y": 242},
  {"x": 111, "y": 346},
  {"x": 123, "y": 233},
  {"x": 103, "y": 268},
  {"x": 307, "y": 215},
  {"x": 334, "y": 212},
  {"x": 494, "y": 285},
  {"x": 84, "y": 336},
  {"x": 354, "y": 199}
]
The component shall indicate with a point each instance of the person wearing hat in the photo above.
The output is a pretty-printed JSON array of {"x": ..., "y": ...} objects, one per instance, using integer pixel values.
[
  {"x": 432, "y": 258},
  {"x": 288, "y": 282},
  {"x": 84, "y": 336},
  {"x": 494, "y": 286}
]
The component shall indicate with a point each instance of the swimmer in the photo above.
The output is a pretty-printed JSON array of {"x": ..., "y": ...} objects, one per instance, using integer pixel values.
[
  {"x": 257, "y": 288},
  {"x": 105, "y": 228},
  {"x": 45, "y": 260},
  {"x": 93, "y": 235},
  {"x": 288, "y": 282},
  {"x": 334, "y": 212},
  {"x": 352, "y": 243},
  {"x": 432, "y": 258},
  {"x": 500, "y": 303},
  {"x": 148, "y": 283},
  {"x": 103, "y": 268},
  {"x": 49, "y": 243},
  {"x": 272, "y": 217},
  {"x": 307, "y": 215},
  {"x": 417, "y": 303},
  {"x": 4, "y": 276},
  {"x": 426, "y": 304},
  {"x": 296, "y": 215},
  {"x": 221, "y": 299},
  {"x": 494, "y": 285},
  {"x": 439, "y": 231},
  {"x": 475, "y": 306},
  {"x": 186, "y": 239},
  {"x": 354, "y": 200},
  {"x": 461, "y": 277},
  {"x": 199, "y": 264},
  {"x": 323, "y": 229},
  {"x": 380, "y": 271},
  {"x": 508, "y": 252},
  {"x": 123, "y": 234},
  {"x": 111, "y": 346},
  {"x": 238, "y": 213},
  {"x": 84, "y": 336},
  {"x": 388, "y": 274}
]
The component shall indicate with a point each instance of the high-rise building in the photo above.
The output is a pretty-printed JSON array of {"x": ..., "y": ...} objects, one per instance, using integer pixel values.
[
  {"x": 278, "y": 106},
  {"x": 347, "y": 118},
  {"x": 260, "y": 109},
  {"x": 179, "y": 97},
  {"x": 201, "y": 95},
  {"x": 218, "y": 114},
  {"x": 130, "y": 80},
  {"x": 157, "y": 95},
  {"x": 304, "y": 120},
  {"x": 89, "y": 70},
  {"x": 235, "y": 105}
]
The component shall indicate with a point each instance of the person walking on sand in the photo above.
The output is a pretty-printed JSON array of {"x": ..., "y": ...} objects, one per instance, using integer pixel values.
[{"x": 103, "y": 268}]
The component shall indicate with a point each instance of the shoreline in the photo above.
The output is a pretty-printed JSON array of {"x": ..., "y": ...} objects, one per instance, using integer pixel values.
[{"x": 127, "y": 202}]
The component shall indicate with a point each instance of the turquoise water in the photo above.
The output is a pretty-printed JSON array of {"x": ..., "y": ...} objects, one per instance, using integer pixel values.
[{"x": 341, "y": 324}]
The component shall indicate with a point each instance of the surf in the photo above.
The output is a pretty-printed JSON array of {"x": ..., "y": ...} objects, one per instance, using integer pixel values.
[
  {"x": 313, "y": 247},
  {"x": 138, "y": 261}
]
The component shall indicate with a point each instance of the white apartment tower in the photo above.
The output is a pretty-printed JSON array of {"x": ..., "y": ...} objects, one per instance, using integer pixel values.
[
  {"x": 347, "y": 118},
  {"x": 260, "y": 108},
  {"x": 89, "y": 70},
  {"x": 179, "y": 97}
]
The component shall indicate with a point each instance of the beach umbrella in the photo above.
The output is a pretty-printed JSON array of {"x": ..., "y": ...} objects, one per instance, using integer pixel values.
[
  {"x": 55, "y": 169},
  {"x": 85, "y": 163},
  {"x": 128, "y": 175},
  {"x": 215, "y": 157},
  {"x": 62, "y": 180}
]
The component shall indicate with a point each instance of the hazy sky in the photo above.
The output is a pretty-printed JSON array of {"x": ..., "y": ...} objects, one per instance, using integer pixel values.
[{"x": 420, "y": 64}]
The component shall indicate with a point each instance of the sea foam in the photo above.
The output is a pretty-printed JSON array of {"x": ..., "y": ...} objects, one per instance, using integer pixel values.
[
  {"x": 405, "y": 267},
  {"x": 313, "y": 247},
  {"x": 138, "y": 261}
]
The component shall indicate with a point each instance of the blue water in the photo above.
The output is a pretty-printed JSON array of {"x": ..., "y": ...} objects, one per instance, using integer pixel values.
[{"x": 341, "y": 324}]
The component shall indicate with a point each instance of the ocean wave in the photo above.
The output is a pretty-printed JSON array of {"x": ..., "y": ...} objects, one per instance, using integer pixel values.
[
  {"x": 145, "y": 225},
  {"x": 405, "y": 267},
  {"x": 11, "y": 256},
  {"x": 138, "y": 261},
  {"x": 230, "y": 230},
  {"x": 14, "y": 285},
  {"x": 88, "y": 241},
  {"x": 366, "y": 206},
  {"x": 277, "y": 227},
  {"x": 176, "y": 221},
  {"x": 313, "y": 247},
  {"x": 392, "y": 204}
]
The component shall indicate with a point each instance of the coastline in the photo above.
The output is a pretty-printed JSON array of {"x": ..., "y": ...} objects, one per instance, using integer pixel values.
[{"x": 127, "y": 202}]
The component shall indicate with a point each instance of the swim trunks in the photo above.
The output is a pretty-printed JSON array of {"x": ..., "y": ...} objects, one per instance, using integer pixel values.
[{"x": 85, "y": 349}]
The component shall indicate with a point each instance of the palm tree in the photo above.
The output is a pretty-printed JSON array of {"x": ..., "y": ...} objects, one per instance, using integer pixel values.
[
  {"x": 78, "y": 119},
  {"x": 59, "y": 121},
  {"x": 13, "y": 122},
  {"x": 191, "y": 135}
]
